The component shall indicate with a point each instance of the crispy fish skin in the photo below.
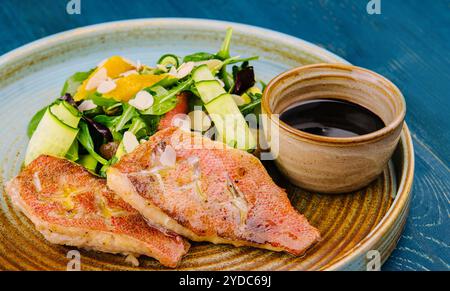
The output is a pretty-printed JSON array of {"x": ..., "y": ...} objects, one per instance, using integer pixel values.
[
  {"x": 70, "y": 206},
  {"x": 213, "y": 193}
]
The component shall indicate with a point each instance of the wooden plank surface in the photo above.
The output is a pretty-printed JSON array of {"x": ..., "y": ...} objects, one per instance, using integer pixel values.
[{"x": 409, "y": 42}]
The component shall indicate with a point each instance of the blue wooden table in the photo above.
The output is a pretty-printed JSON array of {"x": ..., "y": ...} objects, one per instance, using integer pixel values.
[{"x": 409, "y": 42}]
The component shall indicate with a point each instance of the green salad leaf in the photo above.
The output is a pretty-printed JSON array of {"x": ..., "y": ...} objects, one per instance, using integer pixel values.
[
  {"x": 89, "y": 162},
  {"x": 111, "y": 117},
  {"x": 199, "y": 57},
  {"x": 224, "y": 52},
  {"x": 106, "y": 120},
  {"x": 85, "y": 139},
  {"x": 152, "y": 122},
  {"x": 138, "y": 127},
  {"x": 128, "y": 113},
  {"x": 250, "y": 107},
  {"x": 34, "y": 122},
  {"x": 99, "y": 100},
  {"x": 72, "y": 154},
  {"x": 168, "y": 100},
  {"x": 73, "y": 82}
]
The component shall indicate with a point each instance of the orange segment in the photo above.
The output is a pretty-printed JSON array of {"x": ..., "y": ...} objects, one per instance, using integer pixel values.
[
  {"x": 114, "y": 66},
  {"x": 128, "y": 87},
  {"x": 117, "y": 65}
]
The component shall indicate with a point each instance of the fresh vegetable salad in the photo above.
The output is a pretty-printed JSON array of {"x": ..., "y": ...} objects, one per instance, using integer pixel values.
[{"x": 107, "y": 111}]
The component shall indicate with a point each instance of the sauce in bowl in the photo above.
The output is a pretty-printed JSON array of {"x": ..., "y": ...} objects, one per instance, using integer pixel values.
[{"x": 332, "y": 118}]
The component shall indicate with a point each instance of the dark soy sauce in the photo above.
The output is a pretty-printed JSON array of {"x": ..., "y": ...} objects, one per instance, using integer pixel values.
[{"x": 332, "y": 118}]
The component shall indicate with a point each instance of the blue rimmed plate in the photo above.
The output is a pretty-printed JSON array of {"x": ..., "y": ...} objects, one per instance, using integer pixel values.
[{"x": 32, "y": 76}]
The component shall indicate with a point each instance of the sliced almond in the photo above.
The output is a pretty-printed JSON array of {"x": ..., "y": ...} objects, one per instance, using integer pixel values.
[
  {"x": 130, "y": 142},
  {"x": 173, "y": 72},
  {"x": 106, "y": 86},
  {"x": 87, "y": 105},
  {"x": 185, "y": 69},
  {"x": 129, "y": 73},
  {"x": 139, "y": 65},
  {"x": 213, "y": 65},
  {"x": 95, "y": 80},
  {"x": 162, "y": 68},
  {"x": 142, "y": 101}
]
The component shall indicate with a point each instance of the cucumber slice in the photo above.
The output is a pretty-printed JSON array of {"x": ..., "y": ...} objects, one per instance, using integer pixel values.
[
  {"x": 169, "y": 60},
  {"x": 230, "y": 123},
  {"x": 202, "y": 73},
  {"x": 209, "y": 90},
  {"x": 52, "y": 137},
  {"x": 66, "y": 113}
]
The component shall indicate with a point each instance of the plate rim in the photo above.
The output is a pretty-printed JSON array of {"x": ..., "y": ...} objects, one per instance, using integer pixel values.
[
  {"x": 392, "y": 217},
  {"x": 80, "y": 32},
  {"x": 402, "y": 199}
]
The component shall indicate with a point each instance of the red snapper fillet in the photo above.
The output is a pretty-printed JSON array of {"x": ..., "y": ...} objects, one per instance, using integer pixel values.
[
  {"x": 70, "y": 206},
  {"x": 206, "y": 191}
]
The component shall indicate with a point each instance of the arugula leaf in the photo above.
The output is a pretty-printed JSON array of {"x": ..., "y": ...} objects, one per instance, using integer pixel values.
[
  {"x": 137, "y": 125},
  {"x": 99, "y": 100},
  {"x": 164, "y": 103},
  {"x": 226, "y": 79},
  {"x": 199, "y": 57},
  {"x": 161, "y": 105},
  {"x": 235, "y": 60},
  {"x": 136, "y": 128},
  {"x": 224, "y": 52},
  {"x": 85, "y": 139},
  {"x": 128, "y": 113},
  {"x": 73, "y": 82},
  {"x": 152, "y": 122},
  {"x": 113, "y": 110},
  {"x": 108, "y": 121},
  {"x": 263, "y": 85},
  {"x": 34, "y": 122},
  {"x": 158, "y": 90}
]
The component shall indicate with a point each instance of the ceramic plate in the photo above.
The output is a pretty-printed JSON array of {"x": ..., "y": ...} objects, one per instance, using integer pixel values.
[{"x": 32, "y": 76}]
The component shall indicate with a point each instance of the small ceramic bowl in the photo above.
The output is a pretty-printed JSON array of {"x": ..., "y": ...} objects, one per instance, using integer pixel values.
[{"x": 328, "y": 164}]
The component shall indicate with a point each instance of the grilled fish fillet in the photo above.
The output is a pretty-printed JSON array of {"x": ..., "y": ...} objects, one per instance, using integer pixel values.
[
  {"x": 209, "y": 193},
  {"x": 70, "y": 206}
]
